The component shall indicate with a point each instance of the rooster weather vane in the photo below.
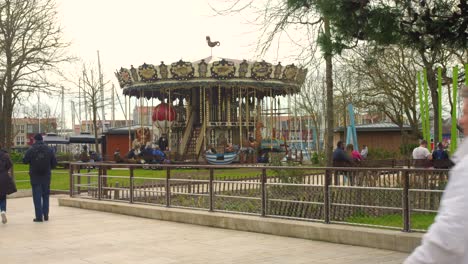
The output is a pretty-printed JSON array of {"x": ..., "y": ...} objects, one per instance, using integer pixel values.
[{"x": 212, "y": 44}]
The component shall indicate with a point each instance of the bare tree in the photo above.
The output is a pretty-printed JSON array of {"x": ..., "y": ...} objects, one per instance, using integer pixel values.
[
  {"x": 311, "y": 103},
  {"x": 92, "y": 88},
  {"x": 30, "y": 46},
  {"x": 388, "y": 83}
]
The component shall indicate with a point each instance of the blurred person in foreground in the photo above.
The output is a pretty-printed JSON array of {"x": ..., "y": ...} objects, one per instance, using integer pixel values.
[
  {"x": 447, "y": 239},
  {"x": 7, "y": 186}
]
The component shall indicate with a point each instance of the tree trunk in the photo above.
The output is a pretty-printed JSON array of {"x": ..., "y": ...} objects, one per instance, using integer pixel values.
[
  {"x": 329, "y": 83},
  {"x": 96, "y": 143},
  {"x": 432, "y": 83},
  {"x": 7, "y": 112}
]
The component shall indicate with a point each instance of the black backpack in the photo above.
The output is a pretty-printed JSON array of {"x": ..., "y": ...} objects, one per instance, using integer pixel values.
[{"x": 40, "y": 159}]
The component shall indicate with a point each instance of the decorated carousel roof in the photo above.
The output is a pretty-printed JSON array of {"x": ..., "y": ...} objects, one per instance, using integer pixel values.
[{"x": 153, "y": 81}]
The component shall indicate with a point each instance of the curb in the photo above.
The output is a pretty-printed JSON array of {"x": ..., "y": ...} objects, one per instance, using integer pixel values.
[{"x": 342, "y": 234}]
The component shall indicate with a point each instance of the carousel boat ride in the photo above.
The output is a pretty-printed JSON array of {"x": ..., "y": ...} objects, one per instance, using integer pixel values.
[
  {"x": 211, "y": 103},
  {"x": 221, "y": 159}
]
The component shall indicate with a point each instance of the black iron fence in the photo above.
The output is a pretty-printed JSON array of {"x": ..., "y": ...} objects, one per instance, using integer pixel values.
[{"x": 398, "y": 198}]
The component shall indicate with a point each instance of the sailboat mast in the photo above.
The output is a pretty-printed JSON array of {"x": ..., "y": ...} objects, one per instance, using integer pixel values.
[
  {"x": 79, "y": 105},
  {"x": 63, "y": 110},
  {"x": 101, "y": 86},
  {"x": 113, "y": 106},
  {"x": 85, "y": 103}
]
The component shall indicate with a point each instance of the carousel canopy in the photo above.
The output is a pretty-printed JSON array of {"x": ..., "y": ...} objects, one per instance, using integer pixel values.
[
  {"x": 152, "y": 81},
  {"x": 52, "y": 138}
]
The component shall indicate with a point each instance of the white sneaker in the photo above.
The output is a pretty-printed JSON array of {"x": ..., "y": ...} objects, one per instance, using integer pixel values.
[{"x": 4, "y": 219}]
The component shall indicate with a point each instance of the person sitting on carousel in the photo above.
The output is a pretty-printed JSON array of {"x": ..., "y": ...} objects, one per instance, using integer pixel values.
[
  {"x": 264, "y": 157},
  {"x": 158, "y": 155},
  {"x": 251, "y": 145},
  {"x": 131, "y": 156},
  {"x": 211, "y": 150},
  {"x": 229, "y": 148},
  {"x": 147, "y": 153},
  {"x": 117, "y": 157}
]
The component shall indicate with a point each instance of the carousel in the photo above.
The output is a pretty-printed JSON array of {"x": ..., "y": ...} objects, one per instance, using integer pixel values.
[{"x": 212, "y": 109}]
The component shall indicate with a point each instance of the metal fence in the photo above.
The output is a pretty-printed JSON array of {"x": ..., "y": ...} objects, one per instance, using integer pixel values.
[{"x": 397, "y": 198}]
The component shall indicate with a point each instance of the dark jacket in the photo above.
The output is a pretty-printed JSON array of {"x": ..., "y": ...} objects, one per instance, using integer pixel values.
[
  {"x": 6, "y": 182},
  {"x": 162, "y": 143},
  {"x": 39, "y": 178},
  {"x": 341, "y": 158}
]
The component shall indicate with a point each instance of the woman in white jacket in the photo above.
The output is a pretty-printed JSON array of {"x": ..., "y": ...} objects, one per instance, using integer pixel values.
[{"x": 447, "y": 239}]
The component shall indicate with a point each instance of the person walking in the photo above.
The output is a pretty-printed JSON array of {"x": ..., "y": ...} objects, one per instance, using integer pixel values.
[
  {"x": 446, "y": 241},
  {"x": 7, "y": 186},
  {"x": 41, "y": 160}
]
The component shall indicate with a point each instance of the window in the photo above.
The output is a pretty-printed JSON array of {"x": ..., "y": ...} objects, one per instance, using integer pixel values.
[
  {"x": 30, "y": 128},
  {"x": 20, "y": 140}
]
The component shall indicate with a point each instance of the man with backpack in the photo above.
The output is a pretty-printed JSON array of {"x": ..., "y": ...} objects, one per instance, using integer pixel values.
[
  {"x": 440, "y": 157},
  {"x": 41, "y": 160}
]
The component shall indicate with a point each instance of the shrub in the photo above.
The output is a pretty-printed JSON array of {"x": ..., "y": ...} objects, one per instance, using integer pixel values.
[
  {"x": 16, "y": 157},
  {"x": 378, "y": 153},
  {"x": 407, "y": 149}
]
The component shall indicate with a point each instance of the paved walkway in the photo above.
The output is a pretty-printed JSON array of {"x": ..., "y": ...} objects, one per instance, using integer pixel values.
[{"x": 83, "y": 236}]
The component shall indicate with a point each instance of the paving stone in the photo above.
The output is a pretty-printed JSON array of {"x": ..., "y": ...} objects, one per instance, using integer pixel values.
[{"x": 78, "y": 236}]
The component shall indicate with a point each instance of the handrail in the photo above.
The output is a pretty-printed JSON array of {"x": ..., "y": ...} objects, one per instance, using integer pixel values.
[
  {"x": 330, "y": 197},
  {"x": 200, "y": 140},
  {"x": 187, "y": 132}
]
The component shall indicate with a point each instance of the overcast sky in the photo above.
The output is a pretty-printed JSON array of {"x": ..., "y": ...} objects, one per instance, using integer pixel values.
[{"x": 133, "y": 32}]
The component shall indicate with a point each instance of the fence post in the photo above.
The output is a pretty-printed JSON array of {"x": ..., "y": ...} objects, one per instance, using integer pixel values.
[
  {"x": 78, "y": 181},
  {"x": 99, "y": 183},
  {"x": 72, "y": 186},
  {"x": 168, "y": 187},
  {"x": 131, "y": 185},
  {"x": 406, "y": 207},
  {"x": 326, "y": 197},
  {"x": 189, "y": 184},
  {"x": 263, "y": 187},
  {"x": 211, "y": 190}
]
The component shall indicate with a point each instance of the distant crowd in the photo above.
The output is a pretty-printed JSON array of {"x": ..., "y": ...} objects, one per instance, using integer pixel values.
[{"x": 422, "y": 157}]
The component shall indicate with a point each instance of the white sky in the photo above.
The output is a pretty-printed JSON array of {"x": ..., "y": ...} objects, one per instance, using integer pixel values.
[{"x": 133, "y": 32}]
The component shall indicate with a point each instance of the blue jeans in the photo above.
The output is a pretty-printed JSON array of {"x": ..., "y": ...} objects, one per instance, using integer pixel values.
[
  {"x": 3, "y": 202},
  {"x": 40, "y": 194}
]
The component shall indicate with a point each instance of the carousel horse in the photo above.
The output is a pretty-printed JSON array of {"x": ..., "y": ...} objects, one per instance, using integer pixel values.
[
  {"x": 258, "y": 131},
  {"x": 143, "y": 135}
]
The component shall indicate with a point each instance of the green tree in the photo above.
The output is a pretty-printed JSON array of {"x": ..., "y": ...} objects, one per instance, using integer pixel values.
[{"x": 426, "y": 26}]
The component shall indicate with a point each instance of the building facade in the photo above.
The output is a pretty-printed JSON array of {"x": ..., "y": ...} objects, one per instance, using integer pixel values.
[{"x": 25, "y": 128}]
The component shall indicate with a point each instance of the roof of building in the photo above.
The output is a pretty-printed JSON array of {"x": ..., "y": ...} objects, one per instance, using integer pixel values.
[
  {"x": 83, "y": 138},
  {"x": 124, "y": 130},
  {"x": 376, "y": 127},
  {"x": 52, "y": 138}
]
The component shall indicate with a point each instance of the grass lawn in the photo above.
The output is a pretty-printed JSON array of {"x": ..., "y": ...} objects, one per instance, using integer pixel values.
[
  {"x": 418, "y": 220},
  {"x": 60, "y": 177}
]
